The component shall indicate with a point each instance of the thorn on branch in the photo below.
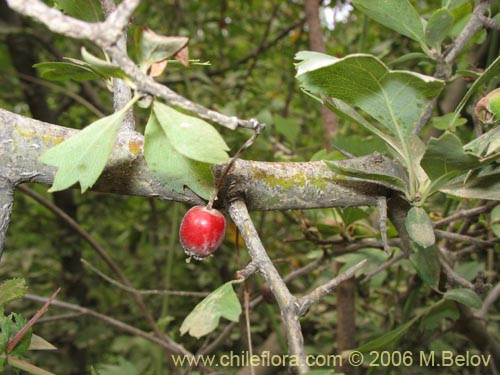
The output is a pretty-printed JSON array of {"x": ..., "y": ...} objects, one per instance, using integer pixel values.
[{"x": 305, "y": 302}]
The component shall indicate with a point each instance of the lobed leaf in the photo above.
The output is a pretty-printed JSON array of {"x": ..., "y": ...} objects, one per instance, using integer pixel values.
[
  {"x": 82, "y": 157},
  {"x": 190, "y": 136},
  {"x": 173, "y": 168},
  {"x": 396, "y": 99},
  {"x": 221, "y": 303}
]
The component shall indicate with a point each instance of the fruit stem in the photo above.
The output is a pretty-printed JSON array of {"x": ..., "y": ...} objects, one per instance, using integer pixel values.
[{"x": 257, "y": 130}]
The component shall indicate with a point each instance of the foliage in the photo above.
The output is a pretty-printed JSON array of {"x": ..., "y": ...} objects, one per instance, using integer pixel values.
[{"x": 379, "y": 83}]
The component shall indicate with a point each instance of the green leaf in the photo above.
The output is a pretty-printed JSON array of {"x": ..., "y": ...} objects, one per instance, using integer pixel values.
[
  {"x": 438, "y": 26},
  {"x": 485, "y": 146},
  {"x": 102, "y": 67},
  {"x": 419, "y": 227},
  {"x": 445, "y": 122},
  {"x": 387, "y": 339},
  {"x": 170, "y": 166},
  {"x": 396, "y": 99},
  {"x": 426, "y": 263},
  {"x": 445, "y": 159},
  {"x": 86, "y": 10},
  {"x": 61, "y": 71},
  {"x": 152, "y": 47},
  {"x": 495, "y": 221},
  {"x": 483, "y": 185},
  {"x": 374, "y": 167},
  {"x": 221, "y": 303},
  {"x": 191, "y": 136},
  {"x": 465, "y": 296},
  {"x": 348, "y": 113},
  {"x": 398, "y": 15},
  {"x": 11, "y": 290},
  {"x": 83, "y": 156}
]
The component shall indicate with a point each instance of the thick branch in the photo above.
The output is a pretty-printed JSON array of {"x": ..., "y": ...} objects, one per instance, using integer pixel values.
[{"x": 267, "y": 185}]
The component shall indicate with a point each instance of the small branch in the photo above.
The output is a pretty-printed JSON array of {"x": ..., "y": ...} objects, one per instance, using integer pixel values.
[
  {"x": 473, "y": 26},
  {"x": 453, "y": 276},
  {"x": 384, "y": 266},
  {"x": 144, "y": 292},
  {"x": 305, "y": 302},
  {"x": 382, "y": 220},
  {"x": 463, "y": 238},
  {"x": 286, "y": 301},
  {"x": 490, "y": 23},
  {"x": 490, "y": 299},
  {"x": 461, "y": 214},
  {"x": 103, "y": 254},
  {"x": 149, "y": 86},
  {"x": 175, "y": 348},
  {"x": 19, "y": 335},
  {"x": 122, "y": 94},
  {"x": 102, "y": 33}
]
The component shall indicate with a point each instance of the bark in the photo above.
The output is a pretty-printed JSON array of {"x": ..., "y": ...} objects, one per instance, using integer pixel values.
[{"x": 267, "y": 185}]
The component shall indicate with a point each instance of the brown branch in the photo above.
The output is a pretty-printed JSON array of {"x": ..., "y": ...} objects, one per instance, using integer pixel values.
[
  {"x": 461, "y": 214},
  {"x": 287, "y": 302},
  {"x": 104, "y": 256},
  {"x": 167, "y": 344}
]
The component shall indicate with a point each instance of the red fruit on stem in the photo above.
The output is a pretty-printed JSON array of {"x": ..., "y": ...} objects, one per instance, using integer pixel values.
[{"x": 202, "y": 231}]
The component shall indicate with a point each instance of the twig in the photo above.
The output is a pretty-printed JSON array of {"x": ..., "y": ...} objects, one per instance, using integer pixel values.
[
  {"x": 305, "y": 302},
  {"x": 473, "y": 26},
  {"x": 19, "y": 335},
  {"x": 490, "y": 23},
  {"x": 122, "y": 94},
  {"x": 143, "y": 292},
  {"x": 443, "y": 70},
  {"x": 463, "y": 238},
  {"x": 175, "y": 348},
  {"x": 102, "y": 33},
  {"x": 465, "y": 213},
  {"x": 385, "y": 265},
  {"x": 452, "y": 275},
  {"x": 258, "y": 128},
  {"x": 490, "y": 299},
  {"x": 286, "y": 301}
]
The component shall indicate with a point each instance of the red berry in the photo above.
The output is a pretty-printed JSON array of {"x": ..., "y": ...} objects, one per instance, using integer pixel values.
[{"x": 202, "y": 231}]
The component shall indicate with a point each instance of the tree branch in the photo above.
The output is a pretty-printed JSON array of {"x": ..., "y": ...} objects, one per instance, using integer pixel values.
[
  {"x": 164, "y": 343},
  {"x": 267, "y": 185},
  {"x": 6, "y": 203},
  {"x": 305, "y": 302},
  {"x": 102, "y": 33},
  {"x": 287, "y": 302}
]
